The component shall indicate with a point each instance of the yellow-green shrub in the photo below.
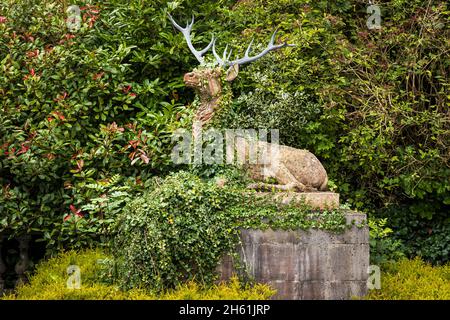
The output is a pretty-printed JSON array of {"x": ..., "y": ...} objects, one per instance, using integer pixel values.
[
  {"x": 413, "y": 280},
  {"x": 49, "y": 282},
  {"x": 233, "y": 290}
]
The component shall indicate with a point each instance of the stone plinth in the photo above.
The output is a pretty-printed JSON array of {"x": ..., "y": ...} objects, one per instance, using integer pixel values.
[{"x": 312, "y": 264}]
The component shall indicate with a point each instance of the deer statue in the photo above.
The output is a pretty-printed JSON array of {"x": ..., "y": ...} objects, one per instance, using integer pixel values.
[{"x": 293, "y": 169}]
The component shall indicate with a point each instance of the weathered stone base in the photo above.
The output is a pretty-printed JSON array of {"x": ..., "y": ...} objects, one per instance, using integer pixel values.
[{"x": 312, "y": 264}]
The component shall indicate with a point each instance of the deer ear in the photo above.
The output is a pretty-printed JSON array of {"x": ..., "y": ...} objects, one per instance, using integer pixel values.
[{"x": 232, "y": 72}]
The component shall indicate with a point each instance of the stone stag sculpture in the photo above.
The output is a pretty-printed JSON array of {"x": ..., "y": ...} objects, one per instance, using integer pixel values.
[{"x": 293, "y": 169}]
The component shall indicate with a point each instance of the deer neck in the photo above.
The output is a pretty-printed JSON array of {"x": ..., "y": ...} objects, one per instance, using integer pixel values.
[
  {"x": 210, "y": 97},
  {"x": 208, "y": 106}
]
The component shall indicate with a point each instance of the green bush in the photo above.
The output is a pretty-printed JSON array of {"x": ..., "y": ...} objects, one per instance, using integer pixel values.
[
  {"x": 86, "y": 111},
  {"x": 177, "y": 232},
  {"x": 383, "y": 248},
  {"x": 49, "y": 282},
  {"x": 383, "y": 95},
  {"x": 232, "y": 290},
  {"x": 413, "y": 280},
  {"x": 428, "y": 238},
  {"x": 289, "y": 112}
]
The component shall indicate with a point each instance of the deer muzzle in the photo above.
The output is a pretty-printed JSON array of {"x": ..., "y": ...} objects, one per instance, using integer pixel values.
[{"x": 191, "y": 80}]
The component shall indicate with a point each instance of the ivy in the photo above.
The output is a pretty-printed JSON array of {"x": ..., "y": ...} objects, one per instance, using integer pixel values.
[
  {"x": 182, "y": 228},
  {"x": 263, "y": 212}
]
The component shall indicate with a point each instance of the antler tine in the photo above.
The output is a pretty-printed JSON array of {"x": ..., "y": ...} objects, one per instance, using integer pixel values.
[
  {"x": 229, "y": 54},
  {"x": 219, "y": 60},
  {"x": 271, "y": 46},
  {"x": 248, "y": 49},
  {"x": 192, "y": 22},
  {"x": 187, "y": 36},
  {"x": 272, "y": 38},
  {"x": 225, "y": 55}
]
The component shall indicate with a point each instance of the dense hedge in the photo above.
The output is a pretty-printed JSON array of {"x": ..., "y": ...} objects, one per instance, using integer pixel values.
[
  {"x": 83, "y": 112},
  {"x": 79, "y": 108},
  {"x": 372, "y": 105}
]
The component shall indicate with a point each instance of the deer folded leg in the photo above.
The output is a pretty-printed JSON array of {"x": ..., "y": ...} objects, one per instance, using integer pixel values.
[
  {"x": 304, "y": 188},
  {"x": 283, "y": 174}
]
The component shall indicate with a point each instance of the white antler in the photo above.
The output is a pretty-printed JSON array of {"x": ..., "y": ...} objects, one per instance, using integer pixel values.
[
  {"x": 187, "y": 35},
  {"x": 224, "y": 61}
]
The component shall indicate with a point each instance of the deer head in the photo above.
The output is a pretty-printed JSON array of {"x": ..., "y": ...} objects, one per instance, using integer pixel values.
[{"x": 207, "y": 81}]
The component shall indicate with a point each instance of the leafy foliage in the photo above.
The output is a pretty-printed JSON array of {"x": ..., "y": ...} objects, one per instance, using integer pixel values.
[
  {"x": 49, "y": 283},
  {"x": 383, "y": 249},
  {"x": 177, "y": 232},
  {"x": 180, "y": 230},
  {"x": 381, "y": 129},
  {"x": 264, "y": 212},
  {"x": 78, "y": 108},
  {"x": 425, "y": 238},
  {"x": 413, "y": 280}
]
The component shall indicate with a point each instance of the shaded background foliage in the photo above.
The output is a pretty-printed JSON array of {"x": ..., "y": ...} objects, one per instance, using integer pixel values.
[{"x": 86, "y": 112}]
